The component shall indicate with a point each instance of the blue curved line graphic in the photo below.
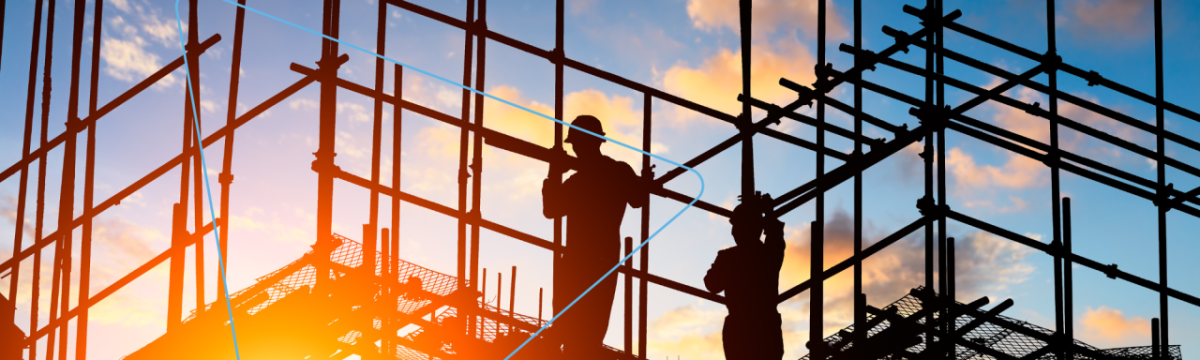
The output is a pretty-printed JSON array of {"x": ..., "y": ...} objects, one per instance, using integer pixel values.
[
  {"x": 207, "y": 187},
  {"x": 564, "y": 310}
]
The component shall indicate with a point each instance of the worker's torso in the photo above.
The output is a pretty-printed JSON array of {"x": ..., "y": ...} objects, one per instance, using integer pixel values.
[
  {"x": 752, "y": 278},
  {"x": 597, "y": 198}
]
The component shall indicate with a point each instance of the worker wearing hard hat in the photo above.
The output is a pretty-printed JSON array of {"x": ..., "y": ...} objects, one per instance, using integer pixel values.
[{"x": 593, "y": 201}]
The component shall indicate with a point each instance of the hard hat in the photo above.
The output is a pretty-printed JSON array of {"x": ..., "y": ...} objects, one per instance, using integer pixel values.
[{"x": 586, "y": 122}]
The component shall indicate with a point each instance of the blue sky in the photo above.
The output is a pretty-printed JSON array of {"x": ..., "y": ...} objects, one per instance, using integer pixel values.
[{"x": 689, "y": 48}]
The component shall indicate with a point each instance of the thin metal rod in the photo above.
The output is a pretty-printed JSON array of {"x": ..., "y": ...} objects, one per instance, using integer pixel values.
[
  {"x": 1160, "y": 119},
  {"x": 327, "y": 133},
  {"x": 463, "y": 145},
  {"x": 1068, "y": 277},
  {"x": 817, "y": 260},
  {"x": 56, "y": 263},
  {"x": 559, "y": 113},
  {"x": 397, "y": 146},
  {"x": 1109, "y": 270},
  {"x": 377, "y": 135},
  {"x": 226, "y": 176},
  {"x": 104, "y": 110},
  {"x": 22, "y": 192},
  {"x": 628, "y": 294},
  {"x": 39, "y": 219},
  {"x": 477, "y": 143},
  {"x": 197, "y": 172},
  {"x": 647, "y": 176},
  {"x": 85, "y": 251},
  {"x": 860, "y": 316},
  {"x": 54, "y": 323},
  {"x": 745, "y": 120},
  {"x": 161, "y": 170}
]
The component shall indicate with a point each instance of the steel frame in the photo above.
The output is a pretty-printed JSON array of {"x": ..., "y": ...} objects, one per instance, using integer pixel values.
[{"x": 935, "y": 118}]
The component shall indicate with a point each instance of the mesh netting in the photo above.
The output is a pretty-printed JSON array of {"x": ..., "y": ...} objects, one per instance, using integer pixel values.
[
  {"x": 347, "y": 254},
  {"x": 991, "y": 335}
]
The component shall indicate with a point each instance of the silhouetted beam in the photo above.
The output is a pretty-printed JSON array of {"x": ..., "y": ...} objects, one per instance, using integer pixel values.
[
  {"x": 499, "y": 139},
  {"x": 112, "y": 105},
  {"x": 1037, "y": 111},
  {"x": 1108, "y": 270},
  {"x": 849, "y": 135},
  {"x": 125, "y": 280},
  {"x": 1094, "y": 107},
  {"x": 806, "y": 192},
  {"x": 1092, "y": 77},
  {"x": 990, "y": 314},
  {"x": 848, "y": 170},
  {"x": 1018, "y": 328},
  {"x": 129, "y": 190},
  {"x": 856, "y": 260},
  {"x": 728, "y": 143},
  {"x": 554, "y": 56},
  {"x": 506, "y": 231},
  {"x": 988, "y": 129}
]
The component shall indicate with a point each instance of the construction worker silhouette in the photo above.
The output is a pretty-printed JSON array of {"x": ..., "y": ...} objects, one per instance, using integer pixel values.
[
  {"x": 749, "y": 275},
  {"x": 593, "y": 201}
]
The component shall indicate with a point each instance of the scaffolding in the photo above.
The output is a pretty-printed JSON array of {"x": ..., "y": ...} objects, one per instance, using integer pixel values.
[{"x": 935, "y": 118}]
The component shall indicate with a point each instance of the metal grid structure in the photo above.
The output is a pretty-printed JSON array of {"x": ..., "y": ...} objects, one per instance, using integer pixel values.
[
  {"x": 935, "y": 118},
  {"x": 982, "y": 335}
]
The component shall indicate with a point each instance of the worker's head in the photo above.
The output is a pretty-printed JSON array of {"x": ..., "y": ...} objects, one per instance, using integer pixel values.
[
  {"x": 748, "y": 220},
  {"x": 585, "y": 145}
]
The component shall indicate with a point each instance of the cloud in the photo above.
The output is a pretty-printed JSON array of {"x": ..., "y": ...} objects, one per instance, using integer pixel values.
[
  {"x": 1019, "y": 172},
  {"x": 768, "y": 17},
  {"x": 307, "y": 105},
  {"x": 1107, "y": 327},
  {"x": 577, "y": 7},
  {"x": 1106, "y": 20},
  {"x": 687, "y": 332},
  {"x": 128, "y": 60},
  {"x": 717, "y": 82},
  {"x": 126, "y": 53}
]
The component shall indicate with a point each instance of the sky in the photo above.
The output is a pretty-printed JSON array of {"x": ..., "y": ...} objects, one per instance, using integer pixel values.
[{"x": 687, "y": 48}]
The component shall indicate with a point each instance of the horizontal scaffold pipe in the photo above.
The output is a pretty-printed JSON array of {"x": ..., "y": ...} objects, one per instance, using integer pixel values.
[
  {"x": 474, "y": 219},
  {"x": 171, "y": 164},
  {"x": 1092, "y": 77},
  {"x": 984, "y": 132},
  {"x": 499, "y": 139},
  {"x": 857, "y": 259},
  {"x": 82, "y": 307},
  {"x": 1057, "y": 251},
  {"x": 83, "y": 124},
  {"x": 1037, "y": 111}
]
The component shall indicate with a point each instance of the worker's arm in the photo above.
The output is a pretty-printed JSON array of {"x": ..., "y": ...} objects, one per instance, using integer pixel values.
[
  {"x": 714, "y": 281},
  {"x": 637, "y": 193},
  {"x": 775, "y": 243},
  {"x": 552, "y": 199}
]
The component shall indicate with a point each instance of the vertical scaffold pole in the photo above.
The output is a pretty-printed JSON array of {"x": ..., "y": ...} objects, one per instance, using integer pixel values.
[
  {"x": 647, "y": 178},
  {"x": 377, "y": 136},
  {"x": 23, "y": 187},
  {"x": 927, "y": 155},
  {"x": 817, "y": 294},
  {"x": 193, "y": 54},
  {"x": 226, "y": 177},
  {"x": 745, "y": 122},
  {"x": 477, "y": 142},
  {"x": 463, "y": 146},
  {"x": 327, "y": 134},
  {"x": 860, "y": 315},
  {"x": 85, "y": 251},
  {"x": 1161, "y": 168}
]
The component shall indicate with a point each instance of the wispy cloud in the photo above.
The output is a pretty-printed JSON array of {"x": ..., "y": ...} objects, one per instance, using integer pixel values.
[{"x": 1108, "y": 327}]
